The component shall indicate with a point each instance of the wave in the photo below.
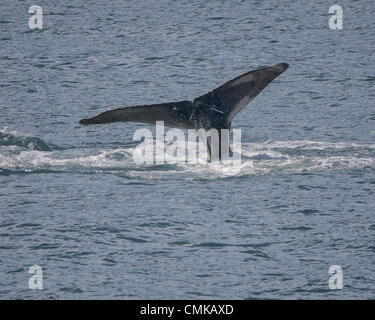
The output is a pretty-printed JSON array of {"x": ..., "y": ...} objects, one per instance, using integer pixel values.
[
  {"x": 15, "y": 138},
  {"x": 308, "y": 145},
  {"x": 22, "y": 154}
]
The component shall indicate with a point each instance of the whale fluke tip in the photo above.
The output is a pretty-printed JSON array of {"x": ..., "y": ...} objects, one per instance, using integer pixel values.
[
  {"x": 83, "y": 122},
  {"x": 284, "y": 65}
]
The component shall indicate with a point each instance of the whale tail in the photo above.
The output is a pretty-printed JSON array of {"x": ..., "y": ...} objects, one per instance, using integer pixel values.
[
  {"x": 223, "y": 102},
  {"x": 213, "y": 110}
]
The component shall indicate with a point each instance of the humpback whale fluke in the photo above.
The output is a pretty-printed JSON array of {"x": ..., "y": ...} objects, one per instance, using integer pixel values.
[{"x": 213, "y": 110}]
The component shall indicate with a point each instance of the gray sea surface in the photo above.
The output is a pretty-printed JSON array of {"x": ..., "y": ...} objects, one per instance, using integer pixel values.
[{"x": 73, "y": 201}]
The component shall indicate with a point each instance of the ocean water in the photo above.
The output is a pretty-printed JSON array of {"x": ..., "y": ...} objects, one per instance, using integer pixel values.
[{"x": 100, "y": 226}]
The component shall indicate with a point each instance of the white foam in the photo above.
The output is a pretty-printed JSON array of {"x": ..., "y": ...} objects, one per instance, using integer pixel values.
[
  {"x": 258, "y": 158},
  {"x": 306, "y": 145},
  {"x": 55, "y": 159}
]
